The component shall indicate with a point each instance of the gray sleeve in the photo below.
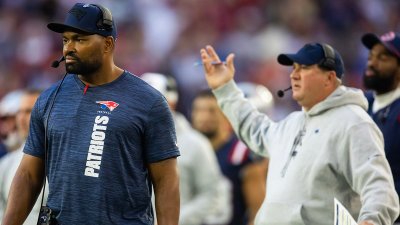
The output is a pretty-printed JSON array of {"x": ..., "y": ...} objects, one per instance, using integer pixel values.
[
  {"x": 6, "y": 173},
  {"x": 369, "y": 174},
  {"x": 3, "y": 200},
  {"x": 250, "y": 125},
  {"x": 205, "y": 177}
]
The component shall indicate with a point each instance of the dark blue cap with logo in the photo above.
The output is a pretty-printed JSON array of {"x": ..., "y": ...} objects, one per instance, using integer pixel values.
[
  {"x": 315, "y": 53},
  {"x": 87, "y": 19},
  {"x": 390, "y": 40}
]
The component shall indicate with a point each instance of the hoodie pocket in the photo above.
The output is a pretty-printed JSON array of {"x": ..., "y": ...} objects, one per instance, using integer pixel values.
[{"x": 280, "y": 214}]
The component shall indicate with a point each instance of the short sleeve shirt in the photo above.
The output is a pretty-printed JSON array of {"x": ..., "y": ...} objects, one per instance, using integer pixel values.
[{"x": 100, "y": 142}]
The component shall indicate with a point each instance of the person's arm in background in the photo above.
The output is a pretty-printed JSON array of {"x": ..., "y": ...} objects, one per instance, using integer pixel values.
[
  {"x": 4, "y": 168},
  {"x": 165, "y": 178},
  {"x": 205, "y": 177},
  {"x": 25, "y": 188},
  {"x": 254, "y": 186}
]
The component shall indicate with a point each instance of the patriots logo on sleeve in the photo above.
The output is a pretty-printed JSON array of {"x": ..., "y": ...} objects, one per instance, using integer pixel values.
[{"x": 108, "y": 104}]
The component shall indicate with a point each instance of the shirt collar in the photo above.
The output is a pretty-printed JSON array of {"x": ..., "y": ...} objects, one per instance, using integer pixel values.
[{"x": 383, "y": 100}]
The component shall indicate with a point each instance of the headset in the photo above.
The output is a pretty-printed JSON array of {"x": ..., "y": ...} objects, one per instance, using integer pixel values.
[
  {"x": 106, "y": 23},
  {"x": 328, "y": 61}
]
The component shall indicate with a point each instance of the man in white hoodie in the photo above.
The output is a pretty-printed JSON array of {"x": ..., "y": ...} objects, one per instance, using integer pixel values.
[{"x": 330, "y": 149}]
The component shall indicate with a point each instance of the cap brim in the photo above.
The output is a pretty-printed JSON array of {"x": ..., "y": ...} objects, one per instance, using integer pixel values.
[
  {"x": 285, "y": 59},
  {"x": 369, "y": 40},
  {"x": 289, "y": 59},
  {"x": 61, "y": 28}
]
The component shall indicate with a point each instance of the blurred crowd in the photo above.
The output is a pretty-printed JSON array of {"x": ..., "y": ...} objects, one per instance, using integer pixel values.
[{"x": 166, "y": 36}]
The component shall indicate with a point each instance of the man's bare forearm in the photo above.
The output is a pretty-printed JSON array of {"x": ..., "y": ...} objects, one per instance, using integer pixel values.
[
  {"x": 167, "y": 206},
  {"x": 166, "y": 190}
]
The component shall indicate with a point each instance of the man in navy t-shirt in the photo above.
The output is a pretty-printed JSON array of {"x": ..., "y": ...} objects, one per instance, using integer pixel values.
[{"x": 110, "y": 137}]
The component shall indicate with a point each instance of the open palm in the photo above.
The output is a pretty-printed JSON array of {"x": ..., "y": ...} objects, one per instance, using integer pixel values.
[{"x": 217, "y": 73}]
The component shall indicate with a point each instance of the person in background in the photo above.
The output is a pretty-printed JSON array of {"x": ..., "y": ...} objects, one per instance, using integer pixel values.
[
  {"x": 9, "y": 163},
  {"x": 102, "y": 136},
  {"x": 9, "y": 139},
  {"x": 329, "y": 150},
  {"x": 382, "y": 78},
  {"x": 245, "y": 170},
  {"x": 203, "y": 188}
]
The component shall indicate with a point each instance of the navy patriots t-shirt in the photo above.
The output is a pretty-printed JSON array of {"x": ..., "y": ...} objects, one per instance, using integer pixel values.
[
  {"x": 100, "y": 143},
  {"x": 388, "y": 121}
]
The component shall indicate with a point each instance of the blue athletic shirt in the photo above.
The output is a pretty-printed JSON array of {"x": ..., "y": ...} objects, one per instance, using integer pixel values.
[
  {"x": 100, "y": 144},
  {"x": 233, "y": 157},
  {"x": 388, "y": 121}
]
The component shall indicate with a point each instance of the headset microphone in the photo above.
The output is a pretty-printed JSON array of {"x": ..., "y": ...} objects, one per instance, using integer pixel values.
[
  {"x": 281, "y": 93},
  {"x": 56, "y": 63}
]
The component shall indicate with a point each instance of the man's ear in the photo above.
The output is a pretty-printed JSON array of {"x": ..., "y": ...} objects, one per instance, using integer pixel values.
[
  {"x": 109, "y": 44},
  {"x": 330, "y": 78}
]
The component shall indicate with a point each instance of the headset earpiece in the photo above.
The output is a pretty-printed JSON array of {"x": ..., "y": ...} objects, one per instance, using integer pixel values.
[
  {"x": 329, "y": 57},
  {"x": 106, "y": 22}
]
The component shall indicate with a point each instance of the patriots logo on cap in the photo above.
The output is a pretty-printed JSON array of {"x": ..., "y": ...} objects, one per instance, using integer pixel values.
[
  {"x": 108, "y": 104},
  {"x": 78, "y": 13}
]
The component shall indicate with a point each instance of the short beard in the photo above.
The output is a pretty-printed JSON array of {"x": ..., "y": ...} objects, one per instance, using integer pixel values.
[
  {"x": 83, "y": 68},
  {"x": 379, "y": 83}
]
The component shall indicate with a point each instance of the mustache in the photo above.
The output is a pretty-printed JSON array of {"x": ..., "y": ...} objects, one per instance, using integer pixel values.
[
  {"x": 72, "y": 55},
  {"x": 372, "y": 69}
]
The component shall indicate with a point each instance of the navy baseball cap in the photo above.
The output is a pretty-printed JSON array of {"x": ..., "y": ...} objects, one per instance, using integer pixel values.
[
  {"x": 88, "y": 19},
  {"x": 314, "y": 53},
  {"x": 390, "y": 40}
]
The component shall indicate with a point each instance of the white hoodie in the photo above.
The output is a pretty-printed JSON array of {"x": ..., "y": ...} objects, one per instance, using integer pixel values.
[{"x": 334, "y": 150}]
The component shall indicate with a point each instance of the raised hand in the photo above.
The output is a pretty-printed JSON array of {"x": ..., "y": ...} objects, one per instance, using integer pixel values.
[{"x": 217, "y": 73}]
